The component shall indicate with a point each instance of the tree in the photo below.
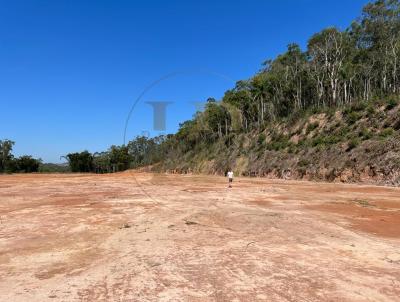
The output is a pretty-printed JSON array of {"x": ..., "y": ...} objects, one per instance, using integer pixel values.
[
  {"x": 217, "y": 118},
  {"x": 80, "y": 161},
  {"x": 119, "y": 158},
  {"x": 327, "y": 55},
  {"x": 241, "y": 98},
  {"x": 101, "y": 162},
  {"x": 6, "y": 157},
  {"x": 27, "y": 164}
]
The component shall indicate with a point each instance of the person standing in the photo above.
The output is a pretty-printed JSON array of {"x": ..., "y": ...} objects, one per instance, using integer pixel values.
[{"x": 230, "y": 178}]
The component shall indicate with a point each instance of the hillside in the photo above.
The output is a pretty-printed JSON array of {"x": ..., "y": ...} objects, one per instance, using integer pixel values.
[
  {"x": 327, "y": 112},
  {"x": 359, "y": 143}
]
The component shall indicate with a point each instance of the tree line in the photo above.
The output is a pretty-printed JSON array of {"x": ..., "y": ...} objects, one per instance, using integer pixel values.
[
  {"x": 140, "y": 151},
  {"x": 10, "y": 164},
  {"x": 337, "y": 69}
]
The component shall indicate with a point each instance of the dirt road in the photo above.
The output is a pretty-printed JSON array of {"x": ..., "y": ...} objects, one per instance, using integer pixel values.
[{"x": 140, "y": 237}]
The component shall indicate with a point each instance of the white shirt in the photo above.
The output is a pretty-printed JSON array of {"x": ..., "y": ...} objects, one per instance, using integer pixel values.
[{"x": 230, "y": 174}]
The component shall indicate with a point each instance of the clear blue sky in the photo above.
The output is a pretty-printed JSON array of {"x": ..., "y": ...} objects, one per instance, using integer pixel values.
[{"x": 71, "y": 70}]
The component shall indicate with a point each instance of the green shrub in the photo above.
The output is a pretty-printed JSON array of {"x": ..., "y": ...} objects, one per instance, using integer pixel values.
[
  {"x": 315, "y": 110},
  {"x": 261, "y": 139},
  {"x": 331, "y": 139},
  {"x": 370, "y": 110},
  {"x": 278, "y": 142},
  {"x": 278, "y": 145},
  {"x": 352, "y": 117},
  {"x": 291, "y": 149},
  {"x": 336, "y": 125},
  {"x": 365, "y": 134},
  {"x": 325, "y": 140},
  {"x": 330, "y": 111},
  {"x": 303, "y": 163},
  {"x": 317, "y": 141},
  {"x": 311, "y": 127},
  {"x": 391, "y": 103},
  {"x": 387, "y": 132},
  {"x": 359, "y": 106},
  {"x": 303, "y": 143},
  {"x": 352, "y": 144},
  {"x": 342, "y": 132}
]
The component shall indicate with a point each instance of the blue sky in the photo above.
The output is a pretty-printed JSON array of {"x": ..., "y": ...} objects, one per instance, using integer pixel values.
[{"x": 70, "y": 71}]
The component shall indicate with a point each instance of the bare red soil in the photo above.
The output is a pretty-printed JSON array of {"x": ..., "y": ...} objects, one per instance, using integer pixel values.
[{"x": 148, "y": 237}]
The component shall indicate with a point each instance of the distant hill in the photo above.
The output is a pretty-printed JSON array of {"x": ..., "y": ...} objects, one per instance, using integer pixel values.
[{"x": 54, "y": 168}]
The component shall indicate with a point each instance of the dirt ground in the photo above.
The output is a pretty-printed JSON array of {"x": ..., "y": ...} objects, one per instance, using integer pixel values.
[{"x": 143, "y": 237}]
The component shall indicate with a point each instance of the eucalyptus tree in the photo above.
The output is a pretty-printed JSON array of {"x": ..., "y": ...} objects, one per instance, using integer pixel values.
[
  {"x": 380, "y": 34},
  {"x": 80, "y": 161},
  {"x": 119, "y": 157},
  {"x": 327, "y": 56},
  {"x": 27, "y": 164},
  {"x": 6, "y": 156}
]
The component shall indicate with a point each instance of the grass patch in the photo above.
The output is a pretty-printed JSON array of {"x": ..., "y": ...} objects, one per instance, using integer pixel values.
[
  {"x": 352, "y": 117},
  {"x": 353, "y": 143},
  {"x": 365, "y": 134},
  {"x": 385, "y": 133},
  {"x": 279, "y": 142},
  {"x": 303, "y": 163},
  {"x": 325, "y": 140},
  {"x": 362, "y": 203},
  {"x": 261, "y": 139},
  {"x": 391, "y": 103},
  {"x": 311, "y": 127}
]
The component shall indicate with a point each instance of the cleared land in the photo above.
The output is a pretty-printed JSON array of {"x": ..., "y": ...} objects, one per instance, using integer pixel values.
[{"x": 143, "y": 237}]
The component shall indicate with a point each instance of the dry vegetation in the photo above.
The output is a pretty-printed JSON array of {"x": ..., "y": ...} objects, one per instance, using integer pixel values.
[{"x": 357, "y": 144}]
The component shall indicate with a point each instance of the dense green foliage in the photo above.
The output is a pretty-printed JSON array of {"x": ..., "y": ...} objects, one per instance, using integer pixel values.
[
  {"x": 140, "y": 151},
  {"x": 337, "y": 68},
  {"x": 80, "y": 161},
  {"x": 6, "y": 157},
  {"x": 10, "y": 164},
  {"x": 27, "y": 164}
]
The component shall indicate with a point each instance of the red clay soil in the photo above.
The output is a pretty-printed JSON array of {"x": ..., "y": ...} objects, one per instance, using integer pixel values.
[
  {"x": 155, "y": 237},
  {"x": 382, "y": 221}
]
